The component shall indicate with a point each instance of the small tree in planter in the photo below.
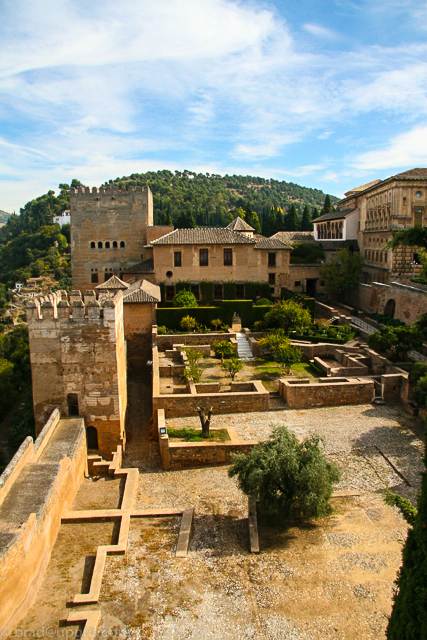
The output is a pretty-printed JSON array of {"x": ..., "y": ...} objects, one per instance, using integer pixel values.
[
  {"x": 188, "y": 323},
  {"x": 223, "y": 349},
  {"x": 281, "y": 349},
  {"x": 291, "y": 479},
  {"x": 216, "y": 323},
  {"x": 232, "y": 366},
  {"x": 205, "y": 420}
]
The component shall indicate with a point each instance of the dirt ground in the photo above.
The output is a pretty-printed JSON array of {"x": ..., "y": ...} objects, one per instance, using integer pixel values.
[{"x": 331, "y": 579}]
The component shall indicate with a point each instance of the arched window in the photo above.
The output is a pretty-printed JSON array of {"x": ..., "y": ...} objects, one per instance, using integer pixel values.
[
  {"x": 115, "y": 244},
  {"x": 99, "y": 245},
  {"x": 107, "y": 245},
  {"x": 92, "y": 245},
  {"x": 122, "y": 244}
]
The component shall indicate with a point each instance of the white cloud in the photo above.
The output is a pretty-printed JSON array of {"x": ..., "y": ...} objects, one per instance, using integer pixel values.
[
  {"x": 404, "y": 150},
  {"x": 319, "y": 31}
]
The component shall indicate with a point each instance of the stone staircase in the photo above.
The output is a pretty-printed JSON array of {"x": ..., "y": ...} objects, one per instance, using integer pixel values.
[{"x": 243, "y": 348}]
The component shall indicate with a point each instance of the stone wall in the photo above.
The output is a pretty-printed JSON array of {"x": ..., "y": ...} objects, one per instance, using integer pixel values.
[
  {"x": 409, "y": 301},
  {"x": 302, "y": 394},
  {"x": 108, "y": 217},
  {"x": 180, "y": 455},
  {"x": 78, "y": 351},
  {"x": 36, "y": 488},
  {"x": 138, "y": 320}
]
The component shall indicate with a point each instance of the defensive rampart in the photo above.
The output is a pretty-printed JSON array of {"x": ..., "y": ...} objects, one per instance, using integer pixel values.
[
  {"x": 78, "y": 362},
  {"x": 36, "y": 488}
]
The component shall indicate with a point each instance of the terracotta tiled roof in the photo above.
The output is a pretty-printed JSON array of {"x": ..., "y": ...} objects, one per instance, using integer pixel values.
[
  {"x": 203, "y": 236},
  {"x": 411, "y": 174},
  {"x": 239, "y": 225},
  {"x": 142, "y": 291},
  {"x": 334, "y": 215},
  {"x": 271, "y": 243},
  {"x": 146, "y": 266},
  {"x": 362, "y": 187},
  {"x": 290, "y": 237},
  {"x": 113, "y": 284}
]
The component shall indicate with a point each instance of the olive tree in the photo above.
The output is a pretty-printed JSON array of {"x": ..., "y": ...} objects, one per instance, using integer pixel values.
[{"x": 289, "y": 478}]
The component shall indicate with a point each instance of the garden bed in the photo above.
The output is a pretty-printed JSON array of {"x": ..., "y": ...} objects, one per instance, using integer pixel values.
[{"x": 189, "y": 434}]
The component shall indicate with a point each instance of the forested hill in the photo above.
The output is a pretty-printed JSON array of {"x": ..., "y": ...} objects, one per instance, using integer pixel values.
[
  {"x": 213, "y": 199},
  {"x": 4, "y": 216}
]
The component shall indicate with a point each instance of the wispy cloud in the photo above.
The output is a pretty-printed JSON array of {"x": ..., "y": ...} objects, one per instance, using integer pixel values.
[
  {"x": 130, "y": 84},
  {"x": 406, "y": 149}
]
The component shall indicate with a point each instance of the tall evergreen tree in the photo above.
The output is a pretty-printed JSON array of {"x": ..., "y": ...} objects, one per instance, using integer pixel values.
[
  {"x": 291, "y": 219},
  {"x": 306, "y": 224},
  {"x": 408, "y": 620},
  {"x": 314, "y": 213},
  {"x": 255, "y": 223},
  {"x": 327, "y": 207},
  {"x": 270, "y": 223},
  {"x": 280, "y": 225},
  {"x": 190, "y": 222},
  {"x": 249, "y": 214}
]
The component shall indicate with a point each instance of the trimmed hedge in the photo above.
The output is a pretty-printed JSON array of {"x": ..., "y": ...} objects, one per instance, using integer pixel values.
[
  {"x": 253, "y": 291},
  {"x": 248, "y": 312}
]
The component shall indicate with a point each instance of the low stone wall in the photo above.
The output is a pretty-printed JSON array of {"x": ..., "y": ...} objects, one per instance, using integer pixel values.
[
  {"x": 207, "y": 387},
  {"x": 409, "y": 301},
  {"x": 36, "y": 488},
  {"x": 179, "y": 405},
  {"x": 180, "y": 455},
  {"x": 324, "y": 311},
  {"x": 166, "y": 342},
  {"x": 301, "y": 394}
]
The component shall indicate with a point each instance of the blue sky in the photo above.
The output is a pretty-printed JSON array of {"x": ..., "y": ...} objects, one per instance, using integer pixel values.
[{"x": 327, "y": 94}]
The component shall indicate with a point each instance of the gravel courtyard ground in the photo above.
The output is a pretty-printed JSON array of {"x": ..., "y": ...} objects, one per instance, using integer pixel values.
[{"x": 329, "y": 579}]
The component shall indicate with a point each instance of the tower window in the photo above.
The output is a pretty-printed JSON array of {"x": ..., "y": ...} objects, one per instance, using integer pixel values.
[
  {"x": 114, "y": 244},
  {"x": 228, "y": 257},
  {"x": 99, "y": 245},
  {"x": 92, "y": 245},
  {"x": 122, "y": 244},
  {"x": 107, "y": 245}
]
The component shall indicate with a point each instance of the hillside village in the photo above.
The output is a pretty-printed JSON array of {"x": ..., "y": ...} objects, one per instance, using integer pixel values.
[{"x": 119, "y": 518}]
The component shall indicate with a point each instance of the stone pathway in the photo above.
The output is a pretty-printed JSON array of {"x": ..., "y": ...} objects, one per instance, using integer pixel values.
[{"x": 243, "y": 348}]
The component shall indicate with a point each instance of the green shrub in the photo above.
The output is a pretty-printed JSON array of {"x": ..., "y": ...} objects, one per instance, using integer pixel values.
[
  {"x": 223, "y": 349},
  {"x": 420, "y": 392},
  {"x": 184, "y": 299},
  {"x": 188, "y": 323},
  {"x": 232, "y": 366},
  {"x": 287, "y": 315},
  {"x": 418, "y": 370},
  {"x": 263, "y": 302},
  {"x": 288, "y": 477}
]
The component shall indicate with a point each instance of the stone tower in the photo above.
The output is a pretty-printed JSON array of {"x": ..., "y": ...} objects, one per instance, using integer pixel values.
[
  {"x": 78, "y": 363},
  {"x": 108, "y": 232}
]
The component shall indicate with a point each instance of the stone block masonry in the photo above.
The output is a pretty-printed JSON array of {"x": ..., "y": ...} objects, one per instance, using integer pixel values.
[
  {"x": 301, "y": 394},
  {"x": 108, "y": 231},
  {"x": 78, "y": 363}
]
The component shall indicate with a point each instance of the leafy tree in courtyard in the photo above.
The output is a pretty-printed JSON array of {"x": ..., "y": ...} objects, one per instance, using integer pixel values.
[
  {"x": 398, "y": 340},
  {"x": 290, "y": 478},
  {"x": 223, "y": 349},
  {"x": 188, "y": 323},
  {"x": 255, "y": 223},
  {"x": 216, "y": 322},
  {"x": 287, "y": 315},
  {"x": 232, "y": 366},
  {"x": 343, "y": 272},
  {"x": 281, "y": 348},
  {"x": 184, "y": 299},
  {"x": 408, "y": 620}
]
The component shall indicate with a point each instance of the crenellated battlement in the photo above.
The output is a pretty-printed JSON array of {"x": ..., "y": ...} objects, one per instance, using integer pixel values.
[
  {"x": 72, "y": 308},
  {"x": 107, "y": 193}
]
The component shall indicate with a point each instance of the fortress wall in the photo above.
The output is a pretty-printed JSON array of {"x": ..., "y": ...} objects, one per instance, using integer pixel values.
[
  {"x": 25, "y": 547},
  {"x": 79, "y": 349}
]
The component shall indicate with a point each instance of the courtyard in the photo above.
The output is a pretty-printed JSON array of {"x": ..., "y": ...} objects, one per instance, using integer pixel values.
[{"x": 328, "y": 579}]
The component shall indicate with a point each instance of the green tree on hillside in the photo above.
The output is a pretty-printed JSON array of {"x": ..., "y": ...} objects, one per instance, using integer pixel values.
[
  {"x": 291, "y": 219},
  {"x": 306, "y": 224},
  {"x": 327, "y": 206}
]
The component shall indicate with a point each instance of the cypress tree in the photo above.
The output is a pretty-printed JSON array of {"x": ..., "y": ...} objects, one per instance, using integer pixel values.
[
  {"x": 270, "y": 224},
  {"x": 408, "y": 620},
  {"x": 255, "y": 223},
  {"x": 190, "y": 222},
  {"x": 291, "y": 219},
  {"x": 327, "y": 207},
  {"x": 314, "y": 213},
  {"x": 249, "y": 214},
  {"x": 280, "y": 225},
  {"x": 306, "y": 224}
]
